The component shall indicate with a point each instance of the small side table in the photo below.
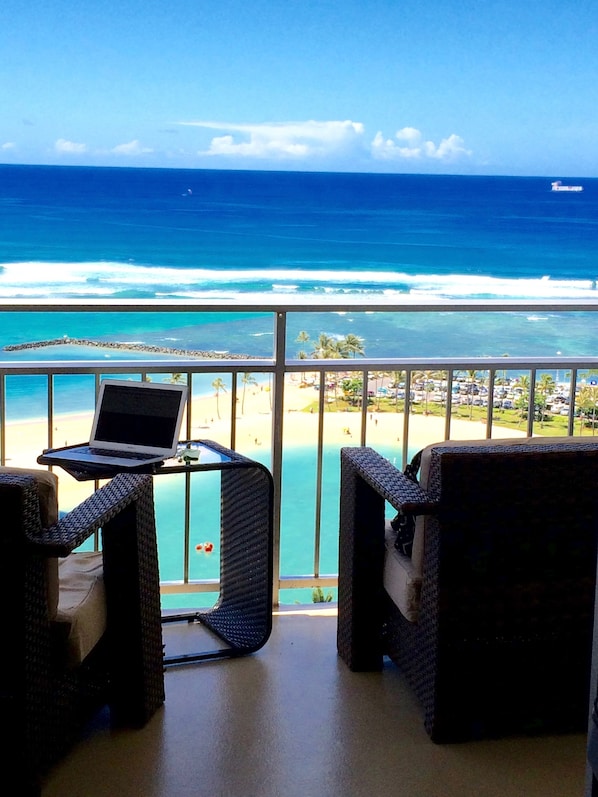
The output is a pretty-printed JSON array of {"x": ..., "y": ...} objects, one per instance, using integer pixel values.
[{"x": 242, "y": 615}]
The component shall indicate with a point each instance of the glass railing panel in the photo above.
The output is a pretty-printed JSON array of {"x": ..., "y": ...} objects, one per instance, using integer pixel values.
[
  {"x": 410, "y": 403},
  {"x": 458, "y": 329},
  {"x": 165, "y": 331}
]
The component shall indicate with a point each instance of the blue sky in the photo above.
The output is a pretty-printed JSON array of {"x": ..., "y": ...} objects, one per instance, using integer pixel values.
[{"x": 469, "y": 87}]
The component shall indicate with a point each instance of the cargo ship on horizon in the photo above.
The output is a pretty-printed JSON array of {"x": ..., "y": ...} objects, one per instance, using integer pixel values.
[{"x": 557, "y": 185}]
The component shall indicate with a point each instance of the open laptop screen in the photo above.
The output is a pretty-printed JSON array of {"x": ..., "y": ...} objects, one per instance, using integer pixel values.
[{"x": 141, "y": 416}]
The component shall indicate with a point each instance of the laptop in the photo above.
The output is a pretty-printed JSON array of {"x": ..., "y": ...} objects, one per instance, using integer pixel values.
[{"x": 135, "y": 424}]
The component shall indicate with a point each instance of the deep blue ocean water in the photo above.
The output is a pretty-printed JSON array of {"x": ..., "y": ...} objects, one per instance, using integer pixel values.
[
  {"x": 101, "y": 232},
  {"x": 142, "y": 233},
  {"x": 148, "y": 232}
]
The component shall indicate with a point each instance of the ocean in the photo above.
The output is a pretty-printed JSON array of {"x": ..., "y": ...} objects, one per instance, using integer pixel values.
[
  {"x": 143, "y": 233},
  {"x": 75, "y": 232}
]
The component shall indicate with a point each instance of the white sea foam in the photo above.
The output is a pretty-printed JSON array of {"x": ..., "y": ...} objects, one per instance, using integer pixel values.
[{"x": 106, "y": 279}]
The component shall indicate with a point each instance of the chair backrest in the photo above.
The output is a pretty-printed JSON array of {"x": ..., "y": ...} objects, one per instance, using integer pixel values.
[
  {"x": 45, "y": 512},
  {"x": 490, "y": 481},
  {"x": 517, "y": 518},
  {"x": 47, "y": 487}
]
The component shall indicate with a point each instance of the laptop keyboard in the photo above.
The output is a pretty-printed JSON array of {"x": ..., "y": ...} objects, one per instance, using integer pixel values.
[{"x": 104, "y": 452}]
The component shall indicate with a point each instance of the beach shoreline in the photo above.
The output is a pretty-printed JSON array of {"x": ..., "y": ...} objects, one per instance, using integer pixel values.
[{"x": 25, "y": 440}]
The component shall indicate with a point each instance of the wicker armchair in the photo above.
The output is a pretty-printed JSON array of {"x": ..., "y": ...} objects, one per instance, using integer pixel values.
[
  {"x": 45, "y": 696},
  {"x": 501, "y": 642}
]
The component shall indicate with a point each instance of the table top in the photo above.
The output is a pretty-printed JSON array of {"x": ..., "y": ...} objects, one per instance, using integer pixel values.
[{"x": 192, "y": 455}]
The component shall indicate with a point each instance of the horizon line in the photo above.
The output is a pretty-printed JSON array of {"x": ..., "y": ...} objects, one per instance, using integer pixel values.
[{"x": 292, "y": 171}]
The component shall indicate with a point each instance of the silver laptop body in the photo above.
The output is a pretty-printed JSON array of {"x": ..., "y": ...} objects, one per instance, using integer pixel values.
[{"x": 135, "y": 423}]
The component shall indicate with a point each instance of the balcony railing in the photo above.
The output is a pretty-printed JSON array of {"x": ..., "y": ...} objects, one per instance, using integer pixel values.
[{"x": 396, "y": 404}]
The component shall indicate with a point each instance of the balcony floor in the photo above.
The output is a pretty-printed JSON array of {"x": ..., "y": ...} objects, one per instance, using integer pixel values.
[{"x": 292, "y": 720}]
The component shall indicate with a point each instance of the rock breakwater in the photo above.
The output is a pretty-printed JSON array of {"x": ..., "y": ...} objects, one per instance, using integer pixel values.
[{"x": 125, "y": 346}]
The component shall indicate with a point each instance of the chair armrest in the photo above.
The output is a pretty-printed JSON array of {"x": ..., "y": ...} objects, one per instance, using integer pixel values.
[
  {"x": 92, "y": 514},
  {"x": 389, "y": 482}
]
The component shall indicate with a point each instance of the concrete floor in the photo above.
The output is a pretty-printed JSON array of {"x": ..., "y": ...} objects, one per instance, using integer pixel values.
[{"x": 293, "y": 721}]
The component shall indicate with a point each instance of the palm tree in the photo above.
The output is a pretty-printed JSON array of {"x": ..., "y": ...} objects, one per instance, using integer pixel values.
[
  {"x": 504, "y": 373},
  {"x": 376, "y": 375},
  {"x": 175, "y": 379},
  {"x": 545, "y": 387},
  {"x": 428, "y": 376},
  {"x": 302, "y": 337},
  {"x": 352, "y": 345},
  {"x": 218, "y": 385},
  {"x": 326, "y": 348},
  {"x": 417, "y": 378},
  {"x": 472, "y": 378},
  {"x": 397, "y": 376},
  {"x": 586, "y": 401},
  {"x": 443, "y": 376},
  {"x": 523, "y": 402},
  {"x": 334, "y": 379},
  {"x": 247, "y": 379}
]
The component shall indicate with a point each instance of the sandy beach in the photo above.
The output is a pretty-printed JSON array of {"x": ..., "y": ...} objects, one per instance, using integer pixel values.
[{"x": 210, "y": 420}]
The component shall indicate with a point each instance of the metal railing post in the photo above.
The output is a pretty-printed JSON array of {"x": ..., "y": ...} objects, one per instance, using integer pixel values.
[{"x": 277, "y": 393}]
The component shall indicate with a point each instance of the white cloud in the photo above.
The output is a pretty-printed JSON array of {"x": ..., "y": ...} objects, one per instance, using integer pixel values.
[
  {"x": 71, "y": 147},
  {"x": 311, "y": 139},
  {"x": 8, "y": 145},
  {"x": 131, "y": 148},
  {"x": 409, "y": 134},
  {"x": 451, "y": 147},
  {"x": 283, "y": 140},
  {"x": 411, "y": 145}
]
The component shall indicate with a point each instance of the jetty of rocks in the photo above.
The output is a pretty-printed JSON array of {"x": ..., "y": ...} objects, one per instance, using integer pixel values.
[{"x": 124, "y": 346}]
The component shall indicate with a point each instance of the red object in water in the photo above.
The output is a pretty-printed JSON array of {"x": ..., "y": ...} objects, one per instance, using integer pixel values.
[{"x": 208, "y": 547}]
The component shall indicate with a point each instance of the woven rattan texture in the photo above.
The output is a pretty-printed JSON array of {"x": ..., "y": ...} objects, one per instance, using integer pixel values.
[
  {"x": 44, "y": 703},
  {"x": 243, "y": 614},
  {"x": 508, "y": 585}
]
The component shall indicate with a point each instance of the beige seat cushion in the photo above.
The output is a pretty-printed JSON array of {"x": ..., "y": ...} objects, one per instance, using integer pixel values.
[
  {"x": 76, "y": 595},
  {"x": 82, "y": 603},
  {"x": 400, "y": 580}
]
